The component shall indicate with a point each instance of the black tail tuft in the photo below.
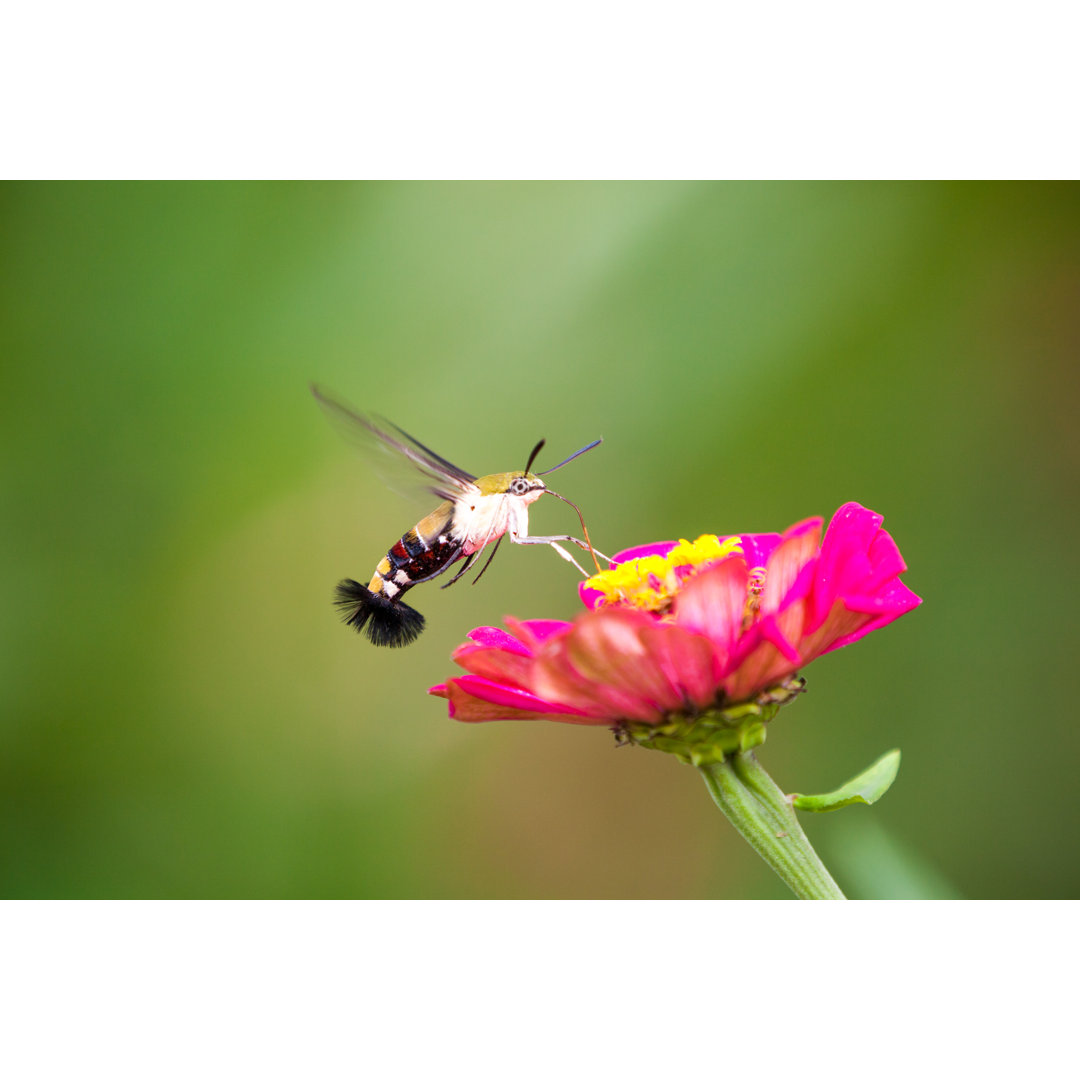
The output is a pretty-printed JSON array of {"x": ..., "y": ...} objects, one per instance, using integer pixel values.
[{"x": 383, "y": 621}]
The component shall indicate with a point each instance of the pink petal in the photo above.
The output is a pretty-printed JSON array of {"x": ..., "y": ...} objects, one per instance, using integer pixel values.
[
  {"x": 757, "y": 547},
  {"x": 493, "y": 637},
  {"x": 772, "y": 630},
  {"x": 788, "y": 579},
  {"x": 798, "y": 547},
  {"x": 608, "y": 649},
  {"x": 662, "y": 547},
  {"x": 840, "y": 625},
  {"x": 583, "y": 669},
  {"x": 713, "y": 603},
  {"x": 534, "y": 632},
  {"x": 474, "y": 700},
  {"x": 894, "y": 599},
  {"x": 765, "y": 665},
  {"x": 875, "y": 614},
  {"x": 687, "y": 660},
  {"x": 886, "y": 560},
  {"x": 589, "y": 597},
  {"x": 498, "y": 665},
  {"x": 843, "y": 561}
]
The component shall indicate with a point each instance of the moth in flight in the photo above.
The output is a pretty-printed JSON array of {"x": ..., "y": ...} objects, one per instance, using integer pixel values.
[{"x": 475, "y": 512}]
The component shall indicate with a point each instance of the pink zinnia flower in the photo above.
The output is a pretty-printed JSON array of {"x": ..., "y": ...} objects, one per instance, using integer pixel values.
[{"x": 680, "y": 629}]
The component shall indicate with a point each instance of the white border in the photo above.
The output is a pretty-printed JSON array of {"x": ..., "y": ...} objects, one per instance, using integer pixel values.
[
  {"x": 561, "y": 90},
  {"x": 523, "y": 990}
]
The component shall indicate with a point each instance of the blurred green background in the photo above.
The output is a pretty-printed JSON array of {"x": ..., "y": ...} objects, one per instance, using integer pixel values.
[{"x": 181, "y": 714}]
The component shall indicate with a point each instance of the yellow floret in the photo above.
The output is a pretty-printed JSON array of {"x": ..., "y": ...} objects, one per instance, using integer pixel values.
[{"x": 650, "y": 583}]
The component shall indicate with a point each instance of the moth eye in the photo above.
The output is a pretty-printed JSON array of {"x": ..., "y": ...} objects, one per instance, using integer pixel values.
[{"x": 518, "y": 487}]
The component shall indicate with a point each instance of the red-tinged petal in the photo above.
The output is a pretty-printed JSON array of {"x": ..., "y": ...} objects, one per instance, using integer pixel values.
[
  {"x": 771, "y": 629},
  {"x": 874, "y": 612},
  {"x": 794, "y": 610},
  {"x": 807, "y": 525},
  {"x": 473, "y": 699},
  {"x": 534, "y": 632},
  {"x": 846, "y": 624},
  {"x": 494, "y": 638},
  {"x": 788, "y": 563},
  {"x": 498, "y": 665},
  {"x": 840, "y": 625},
  {"x": 497, "y": 694},
  {"x": 788, "y": 579},
  {"x": 713, "y": 602},
  {"x": 764, "y": 666},
  {"x": 556, "y": 677},
  {"x": 608, "y": 649},
  {"x": 689, "y": 662},
  {"x": 772, "y": 655}
]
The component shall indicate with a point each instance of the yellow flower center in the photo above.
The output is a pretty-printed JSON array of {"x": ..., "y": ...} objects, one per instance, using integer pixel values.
[{"x": 650, "y": 583}]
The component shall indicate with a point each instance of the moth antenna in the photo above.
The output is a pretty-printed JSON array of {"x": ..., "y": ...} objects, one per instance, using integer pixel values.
[
  {"x": 577, "y": 453},
  {"x": 532, "y": 457},
  {"x": 581, "y": 518}
]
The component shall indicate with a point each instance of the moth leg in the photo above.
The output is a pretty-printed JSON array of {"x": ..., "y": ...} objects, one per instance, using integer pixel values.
[
  {"x": 488, "y": 563},
  {"x": 519, "y": 538},
  {"x": 563, "y": 553},
  {"x": 468, "y": 563}
]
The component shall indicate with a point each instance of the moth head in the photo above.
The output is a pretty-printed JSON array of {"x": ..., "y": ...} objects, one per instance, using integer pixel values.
[{"x": 524, "y": 483}]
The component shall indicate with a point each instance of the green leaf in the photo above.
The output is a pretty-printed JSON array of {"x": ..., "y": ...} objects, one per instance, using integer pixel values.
[{"x": 866, "y": 788}]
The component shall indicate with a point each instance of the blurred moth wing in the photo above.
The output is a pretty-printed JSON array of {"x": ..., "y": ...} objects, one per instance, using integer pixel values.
[{"x": 404, "y": 464}]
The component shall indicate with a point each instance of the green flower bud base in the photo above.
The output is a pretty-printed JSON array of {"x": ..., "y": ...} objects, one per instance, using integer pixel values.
[{"x": 710, "y": 737}]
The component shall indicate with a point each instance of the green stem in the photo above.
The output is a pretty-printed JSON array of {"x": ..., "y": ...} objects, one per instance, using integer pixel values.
[{"x": 758, "y": 809}]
